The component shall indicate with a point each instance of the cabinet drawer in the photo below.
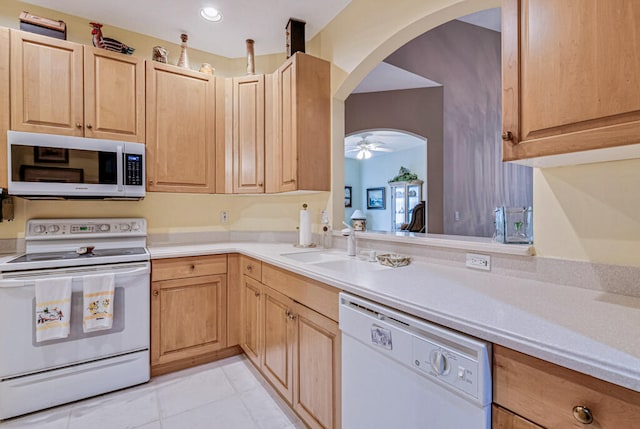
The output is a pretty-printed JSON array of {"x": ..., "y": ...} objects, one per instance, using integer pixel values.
[
  {"x": 546, "y": 393},
  {"x": 252, "y": 268},
  {"x": 310, "y": 293},
  {"x": 179, "y": 268}
]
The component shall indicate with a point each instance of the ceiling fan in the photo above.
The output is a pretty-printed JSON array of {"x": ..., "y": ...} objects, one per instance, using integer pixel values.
[{"x": 365, "y": 146}]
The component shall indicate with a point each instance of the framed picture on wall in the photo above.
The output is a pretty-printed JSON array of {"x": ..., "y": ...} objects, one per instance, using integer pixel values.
[
  {"x": 375, "y": 199},
  {"x": 347, "y": 196}
]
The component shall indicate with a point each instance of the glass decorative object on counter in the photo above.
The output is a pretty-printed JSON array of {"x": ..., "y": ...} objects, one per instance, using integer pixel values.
[{"x": 514, "y": 225}]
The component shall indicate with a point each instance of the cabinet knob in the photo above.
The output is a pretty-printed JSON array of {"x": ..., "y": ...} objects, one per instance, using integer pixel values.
[
  {"x": 259, "y": 184},
  {"x": 507, "y": 136},
  {"x": 257, "y": 293},
  {"x": 582, "y": 414},
  {"x": 249, "y": 268},
  {"x": 89, "y": 126},
  {"x": 156, "y": 293},
  {"x": 150, "y": 182},
  {"x": 290, "y": 315},
  {"x": 78, "y": 126},
  {"x": 193, "y": 267}
]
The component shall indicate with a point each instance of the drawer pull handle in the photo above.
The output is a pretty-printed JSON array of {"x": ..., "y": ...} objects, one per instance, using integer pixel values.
[
  {"x": 582, "y": 414},
  {"x": 156, "y": 293},
  {"x": 193, "y": 267}
]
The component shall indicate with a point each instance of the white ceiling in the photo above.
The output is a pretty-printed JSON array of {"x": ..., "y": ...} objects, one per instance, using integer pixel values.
[
  {"x": 260, "y": 20},
  {"x": 387, "y": 77},
  {"x": 490, "y": 18},
  {"x": 393, "y": 140}
]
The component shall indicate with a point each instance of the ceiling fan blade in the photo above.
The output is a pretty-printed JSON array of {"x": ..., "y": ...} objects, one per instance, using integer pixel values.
[{"x": 380, "y": 149}]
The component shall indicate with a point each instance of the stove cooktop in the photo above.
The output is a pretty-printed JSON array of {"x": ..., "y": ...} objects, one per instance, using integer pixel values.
[{"x": 95, "y": 254}]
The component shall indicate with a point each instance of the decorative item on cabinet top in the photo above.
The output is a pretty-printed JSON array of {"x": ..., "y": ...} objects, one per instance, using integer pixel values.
[
  {"x": 295, "y": 36},
  {"x": 160, "y": 54},
  {"x": 99, "y": 41},
  {"x": 45, "y": 26},
  {"x": 404, "y": 175},
  {"x": 251, "y": 66},
  {"x": 183, "y": 61},
  {"x": 206, "y": 68}
]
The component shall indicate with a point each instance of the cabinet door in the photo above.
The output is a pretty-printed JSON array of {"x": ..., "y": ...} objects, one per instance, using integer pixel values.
[
  {"x": 114, "y": 95},
  {"x": 302, "y": 136},
  {"x": 4, "y": 103},
  {"x": 277, "y": 361},
  {"x": 505, "y": 419},
  {"x": 287, "y": 138},
  {"x": 251, "y": 310},
  {"x": 571, "y": 79},
  {"x": 317, "y": 369},
  {"x": 180, "y": 129},
  {"x": 248, "y": 134},
  {"x": 46, "y": 85},
  {"x": 188, "y": 317}
]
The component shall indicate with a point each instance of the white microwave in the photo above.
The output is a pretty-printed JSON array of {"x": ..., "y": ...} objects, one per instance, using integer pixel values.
[{"x": 45, "y": 166}]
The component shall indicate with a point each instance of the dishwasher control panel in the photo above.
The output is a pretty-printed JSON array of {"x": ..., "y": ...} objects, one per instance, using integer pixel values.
[{"x": 452, "y": 367}]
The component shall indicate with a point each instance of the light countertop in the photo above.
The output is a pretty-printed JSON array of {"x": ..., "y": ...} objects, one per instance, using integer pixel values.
[{"x": 586, "y": 330}]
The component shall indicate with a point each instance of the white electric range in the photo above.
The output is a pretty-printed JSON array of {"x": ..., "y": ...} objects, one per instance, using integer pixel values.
[{"x": 37, "y": 375}]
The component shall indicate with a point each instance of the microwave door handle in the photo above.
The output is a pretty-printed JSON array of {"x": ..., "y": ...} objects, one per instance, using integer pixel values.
[{"x": 120, "y": 169}]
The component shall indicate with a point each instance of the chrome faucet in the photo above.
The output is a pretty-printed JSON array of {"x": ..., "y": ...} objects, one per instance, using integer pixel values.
[{"x": 350, "y": 233}]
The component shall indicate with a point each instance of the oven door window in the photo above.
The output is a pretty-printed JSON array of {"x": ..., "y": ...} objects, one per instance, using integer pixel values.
[{"x": 60, "y": 165}]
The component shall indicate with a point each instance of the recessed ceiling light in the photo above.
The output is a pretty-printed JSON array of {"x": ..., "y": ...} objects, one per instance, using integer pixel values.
[{"x": 211, "y": 14}]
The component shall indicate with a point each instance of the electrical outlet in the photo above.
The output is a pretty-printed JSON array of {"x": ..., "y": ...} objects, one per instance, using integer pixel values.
[
  {"x": 457, "y": 216},
  {"x": 224, "y": 216},
  {"x": 479, "y": 262}
]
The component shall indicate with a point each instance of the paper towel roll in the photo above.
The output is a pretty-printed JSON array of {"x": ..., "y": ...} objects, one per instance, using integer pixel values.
[{"x": 305, "y": 228}]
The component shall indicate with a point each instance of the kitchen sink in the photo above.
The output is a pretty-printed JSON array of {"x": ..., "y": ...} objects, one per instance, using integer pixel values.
[
  {"x": 333, "y": 260},
  {"x": 317, "y": 256}
]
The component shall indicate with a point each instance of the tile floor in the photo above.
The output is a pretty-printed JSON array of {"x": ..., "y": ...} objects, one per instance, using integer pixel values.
[{"x": 225, "y": 394}]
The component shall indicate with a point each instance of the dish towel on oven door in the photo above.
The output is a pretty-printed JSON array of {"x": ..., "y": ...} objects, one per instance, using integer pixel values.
[
  {"x": 98, "y": 293},
  {"x": 53, "y": 308}
]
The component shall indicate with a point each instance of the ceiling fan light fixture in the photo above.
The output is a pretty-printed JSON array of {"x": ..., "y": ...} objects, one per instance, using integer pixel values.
[
  {"x": 211, "y": 14},
  {"x": 367, "y": 153},
  {"x": 360, "y": 154}
]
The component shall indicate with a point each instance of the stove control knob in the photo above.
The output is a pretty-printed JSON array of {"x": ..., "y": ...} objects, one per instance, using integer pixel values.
[
  {"x": 125, "y": 227},
  {"x": 104, "y": 227},
  {"x": 53, "y": 228},
  {"x": 439, "y": 363},
  {"x": 39, "y": 229}
]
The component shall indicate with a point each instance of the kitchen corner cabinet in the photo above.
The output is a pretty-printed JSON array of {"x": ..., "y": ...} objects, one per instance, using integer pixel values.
[
  {"x": 542, "y": 394},
  {"x": 4, "y": 104},
  {"x": 299, "y": 150},
  {"x": 188, "y": 311},
  {"x": 291, "y": 342},
  {"x": 61, "y": 87},
  {"x": 570, "y": 78},
  {"x": 181, "y": 108},
  {"x": 248, "y": 133}
]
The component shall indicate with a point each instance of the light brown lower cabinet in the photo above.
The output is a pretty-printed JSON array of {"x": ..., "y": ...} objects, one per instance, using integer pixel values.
[
  {"x": 551, "y": 396},
  {"x": 297, "y": 349},
  {"x": 188, "y": 311},
  {"x": 505, "y": 419}
]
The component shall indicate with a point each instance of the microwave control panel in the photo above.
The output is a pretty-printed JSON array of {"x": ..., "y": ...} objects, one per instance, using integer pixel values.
[{"x": 133, "y": 169}]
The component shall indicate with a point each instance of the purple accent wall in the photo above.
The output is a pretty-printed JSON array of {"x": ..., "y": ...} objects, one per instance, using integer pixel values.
[
  {"x": 418, "y": 111},
  {"x": 466, "y": 59}
]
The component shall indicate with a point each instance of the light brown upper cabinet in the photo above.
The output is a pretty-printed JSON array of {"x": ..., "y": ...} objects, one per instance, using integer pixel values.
[
  {"x": 247, "y": 133},
  {"x": 181, "y": 129},
  {"x": 298, "y": 145},
  {"x": 4, "y": 103},
  {"x": 61, "y": 87},
  {"x": 571, "y": 77}
]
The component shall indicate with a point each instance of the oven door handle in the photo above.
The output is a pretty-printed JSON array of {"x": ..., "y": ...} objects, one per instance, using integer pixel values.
[{"x": 27, "y": 279}]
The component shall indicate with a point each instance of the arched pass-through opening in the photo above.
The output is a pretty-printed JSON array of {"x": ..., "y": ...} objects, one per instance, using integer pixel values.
[{"x": 374, "y": 40}]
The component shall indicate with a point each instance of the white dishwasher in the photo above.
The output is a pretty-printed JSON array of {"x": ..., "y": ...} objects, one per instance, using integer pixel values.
[{"x": 402, "y": 372}]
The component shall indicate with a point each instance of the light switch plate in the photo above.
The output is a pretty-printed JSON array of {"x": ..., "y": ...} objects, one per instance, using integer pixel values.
[{"x": 479, "y": 262}]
